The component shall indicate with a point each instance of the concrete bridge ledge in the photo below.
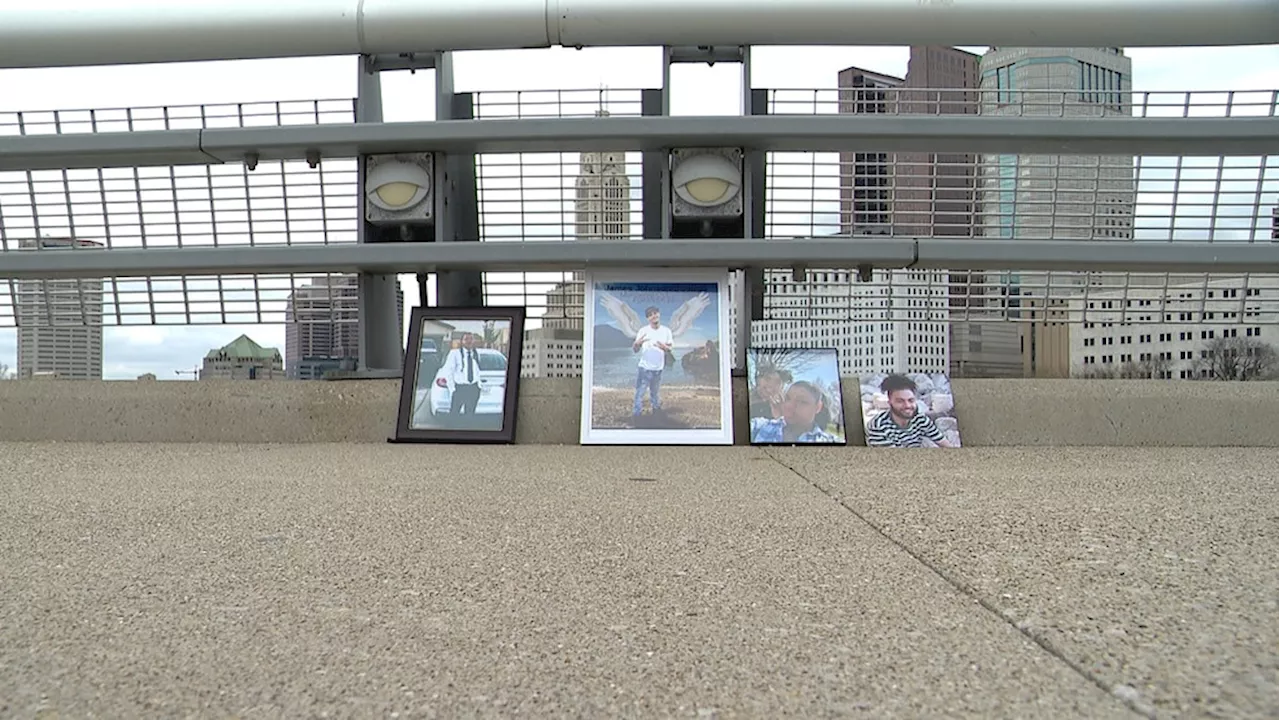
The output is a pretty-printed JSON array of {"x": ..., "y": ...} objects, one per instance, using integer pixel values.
[{"x": 1117, "y": 413}]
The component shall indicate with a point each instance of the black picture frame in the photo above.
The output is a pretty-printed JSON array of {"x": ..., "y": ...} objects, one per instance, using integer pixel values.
[{"x": 413, "y": 371}]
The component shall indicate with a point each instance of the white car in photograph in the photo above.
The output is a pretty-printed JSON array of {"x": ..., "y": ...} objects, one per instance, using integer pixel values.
[{"x": 493, "y": 385}]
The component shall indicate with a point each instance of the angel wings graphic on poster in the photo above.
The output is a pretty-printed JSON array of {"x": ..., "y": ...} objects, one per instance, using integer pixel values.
[{"x": 630, "y": 322}]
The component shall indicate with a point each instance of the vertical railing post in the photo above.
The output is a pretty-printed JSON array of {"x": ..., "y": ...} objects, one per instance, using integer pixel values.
[
  {"x": 750, "y": 224},
  {"x": 381, "y": 332},
  {"x": 755, "y": 168},
  {"x": 653, "y": 170},
  {"x": 457, "y": 215}
]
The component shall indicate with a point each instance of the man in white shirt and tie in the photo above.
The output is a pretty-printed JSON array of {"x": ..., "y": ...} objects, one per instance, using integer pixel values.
[{"x": 462, "y": 373}]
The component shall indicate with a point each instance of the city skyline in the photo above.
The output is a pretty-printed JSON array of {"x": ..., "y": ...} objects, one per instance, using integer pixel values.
[{"x": 135, "y": 350}]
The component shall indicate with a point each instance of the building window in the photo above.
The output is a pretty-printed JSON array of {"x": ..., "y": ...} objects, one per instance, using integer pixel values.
[
  {"x": 1004, "y": 84},
  {"x": 1100, "y": 86}
]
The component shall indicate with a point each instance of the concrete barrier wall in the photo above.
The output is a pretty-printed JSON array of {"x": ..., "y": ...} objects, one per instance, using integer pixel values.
[{"x": 990, "y": 412}]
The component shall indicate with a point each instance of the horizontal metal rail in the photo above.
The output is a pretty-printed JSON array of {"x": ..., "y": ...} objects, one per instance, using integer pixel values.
[
  {"x": 828, "y": 298},
  {"x": 56, "y": 33},
  {"x": 623, "y": 102},
  {"x": 786, "y": 133},
  {"x": 924, "y": 253}
]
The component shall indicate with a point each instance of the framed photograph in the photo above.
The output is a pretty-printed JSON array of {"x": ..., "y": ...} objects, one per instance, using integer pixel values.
[
  {"x": 657, "y": 358},
  {"x": 795, "y": 396},
  {"x": 461, "y": 375},
  {"x": 909, "y": 411}
]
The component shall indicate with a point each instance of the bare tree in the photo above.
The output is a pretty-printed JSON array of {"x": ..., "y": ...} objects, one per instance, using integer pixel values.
[
  {"x": 1236, "y": 358},
  {"x": 1097, "y": 372},
  {"x": 1155, "y": 368},
  {"x": 4, "y": 372}
]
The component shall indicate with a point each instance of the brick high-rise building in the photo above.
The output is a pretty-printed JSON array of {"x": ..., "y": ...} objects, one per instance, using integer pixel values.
[
  {"x": 866, "y": 178},
  {"x": 934, "y": 192},
  {"x": 910, "y": 193},
  {"x": 926, "y": 194}
]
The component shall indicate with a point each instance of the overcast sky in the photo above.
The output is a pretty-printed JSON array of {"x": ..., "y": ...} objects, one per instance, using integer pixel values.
[{"x": 696, "y": 90}]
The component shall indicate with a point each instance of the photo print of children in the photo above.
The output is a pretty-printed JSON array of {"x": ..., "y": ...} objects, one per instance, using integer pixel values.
[
  {"x": 795, "y": 396},
  {"x": 655, "y": 366},
  {"x": 909, "y": 411}
]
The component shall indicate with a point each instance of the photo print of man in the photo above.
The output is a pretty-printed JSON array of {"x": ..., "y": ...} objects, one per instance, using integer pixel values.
[
  {"x": 462, "y": 375},
  {"x": 909, "y": 411},
  {"x": 795, "y": 396},
  {"x": 656, "y": 360}
]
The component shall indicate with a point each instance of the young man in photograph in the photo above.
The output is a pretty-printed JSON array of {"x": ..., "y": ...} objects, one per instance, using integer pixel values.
[
  {"x": 802, "y": 420},
  {"x": 462, "y": 373},
  {"x": 902, "y": 425},
  {"x": 652, "y": 342}
]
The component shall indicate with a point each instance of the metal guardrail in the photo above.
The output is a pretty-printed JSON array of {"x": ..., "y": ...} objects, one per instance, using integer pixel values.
[
  {"x": 1215, "y": 207},
  {"x": 821, "y": 295},
  {"x": 779, "y": 133},
  {"x": 625, "y": 102},
  {"x": 1026, "y": 103}
]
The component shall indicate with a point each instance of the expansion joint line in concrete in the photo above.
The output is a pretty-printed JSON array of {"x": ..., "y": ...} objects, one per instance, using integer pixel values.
[{"x": 971, "y": 592}]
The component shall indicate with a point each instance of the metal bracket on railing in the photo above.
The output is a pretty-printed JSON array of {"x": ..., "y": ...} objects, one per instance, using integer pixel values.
[
  {"x": 708, "y": 54},
  {"x": 412, "y": 62}
]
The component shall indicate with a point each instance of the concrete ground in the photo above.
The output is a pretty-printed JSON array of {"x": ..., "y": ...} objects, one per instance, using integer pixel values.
[{"x": 364, "y": 580}]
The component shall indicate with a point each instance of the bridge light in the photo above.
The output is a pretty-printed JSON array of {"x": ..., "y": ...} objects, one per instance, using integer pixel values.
[
  {"x": 398, "y": 188},
  {"x": 706, "y": 183}
]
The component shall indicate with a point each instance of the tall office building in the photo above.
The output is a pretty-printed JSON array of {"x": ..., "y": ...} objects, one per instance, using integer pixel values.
[
  {"x": 551, "y": 353},
  {"x": 935, "y": 195},
  {"x": 322, "y": 328},
  {"x": 1054, "y": 197},
  {"x": 59, "y": 321},
  {"x": 602, "y": 196},
  {"x": 899, "y": 322},
  {"x": 1058, "y": 197},
  {"x": 910, "y": 193},
  {"x": 866, "y": 178},
  {"x": 1140, "y": 325},
  {"x": 602, "y": 211}
]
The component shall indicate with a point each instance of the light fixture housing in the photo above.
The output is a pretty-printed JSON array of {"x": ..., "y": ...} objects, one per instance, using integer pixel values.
[
  {"x": 398, "y": 188},
  {"x": 706, "y": 182}
]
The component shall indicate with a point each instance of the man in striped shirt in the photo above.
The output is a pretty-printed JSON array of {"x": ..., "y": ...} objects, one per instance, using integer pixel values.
[{"x": 902, "y": 425}]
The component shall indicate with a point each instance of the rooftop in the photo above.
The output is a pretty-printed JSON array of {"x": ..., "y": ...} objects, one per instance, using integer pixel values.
[{"x": 244, "y": 347}]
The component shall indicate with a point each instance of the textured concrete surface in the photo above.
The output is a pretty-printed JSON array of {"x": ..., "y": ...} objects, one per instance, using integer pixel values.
[
  {"x": 360, "y": 580},
  {"x": 209, "y": 411},
  {"x": 1017, "y": 413},
  {"x": 1116, "y": 413},
  {"x": 1152, "y": 570},
  {"x": 144, "y": 580}
]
